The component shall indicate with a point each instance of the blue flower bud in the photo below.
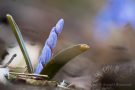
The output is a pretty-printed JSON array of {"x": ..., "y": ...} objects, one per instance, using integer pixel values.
[{"x": 50, "y": 44}]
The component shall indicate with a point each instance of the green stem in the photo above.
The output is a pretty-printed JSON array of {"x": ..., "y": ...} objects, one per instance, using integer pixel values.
[{"x": 20, "y": 41}]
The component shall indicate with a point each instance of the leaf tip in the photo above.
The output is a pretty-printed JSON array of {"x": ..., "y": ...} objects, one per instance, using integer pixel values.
[
  {"x": 84, "y": 47},
  {"x": 8, "y": 16}
]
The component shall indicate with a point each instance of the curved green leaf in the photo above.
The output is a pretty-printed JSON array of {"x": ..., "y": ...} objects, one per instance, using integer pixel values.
[
  {"x": 62, "y": 58},
  {"x": 20, "y": 40}
]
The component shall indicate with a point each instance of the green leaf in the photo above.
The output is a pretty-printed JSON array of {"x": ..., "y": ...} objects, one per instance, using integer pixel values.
[
  {"x": 20, "y": 40},
  {"x": 62, "y": 58}
]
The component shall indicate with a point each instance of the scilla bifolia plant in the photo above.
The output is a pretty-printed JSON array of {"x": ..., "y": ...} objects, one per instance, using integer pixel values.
[{"x": 44, "y": 66}]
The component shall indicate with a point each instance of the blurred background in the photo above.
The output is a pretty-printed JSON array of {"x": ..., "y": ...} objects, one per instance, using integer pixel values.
[{"x": 106, "y": 25}]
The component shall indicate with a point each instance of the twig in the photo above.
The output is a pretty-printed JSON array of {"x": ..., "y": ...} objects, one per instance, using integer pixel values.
[
  {"x": 27, "y": 75},
  {"x": 12, "y": 58}
]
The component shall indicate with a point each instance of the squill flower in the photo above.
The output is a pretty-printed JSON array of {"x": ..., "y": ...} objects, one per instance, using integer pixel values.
[
  {"x": 50, "y": 44},
  {"x": 115, "y": 12}
]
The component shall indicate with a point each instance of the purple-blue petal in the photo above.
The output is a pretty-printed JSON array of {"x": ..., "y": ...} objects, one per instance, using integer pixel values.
[
  {"x": 59, "y": 26},
  {"x": 46, "y": 55},
  {"x": 38, "y": 68},
  {"x": 52, "y": 40}
]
